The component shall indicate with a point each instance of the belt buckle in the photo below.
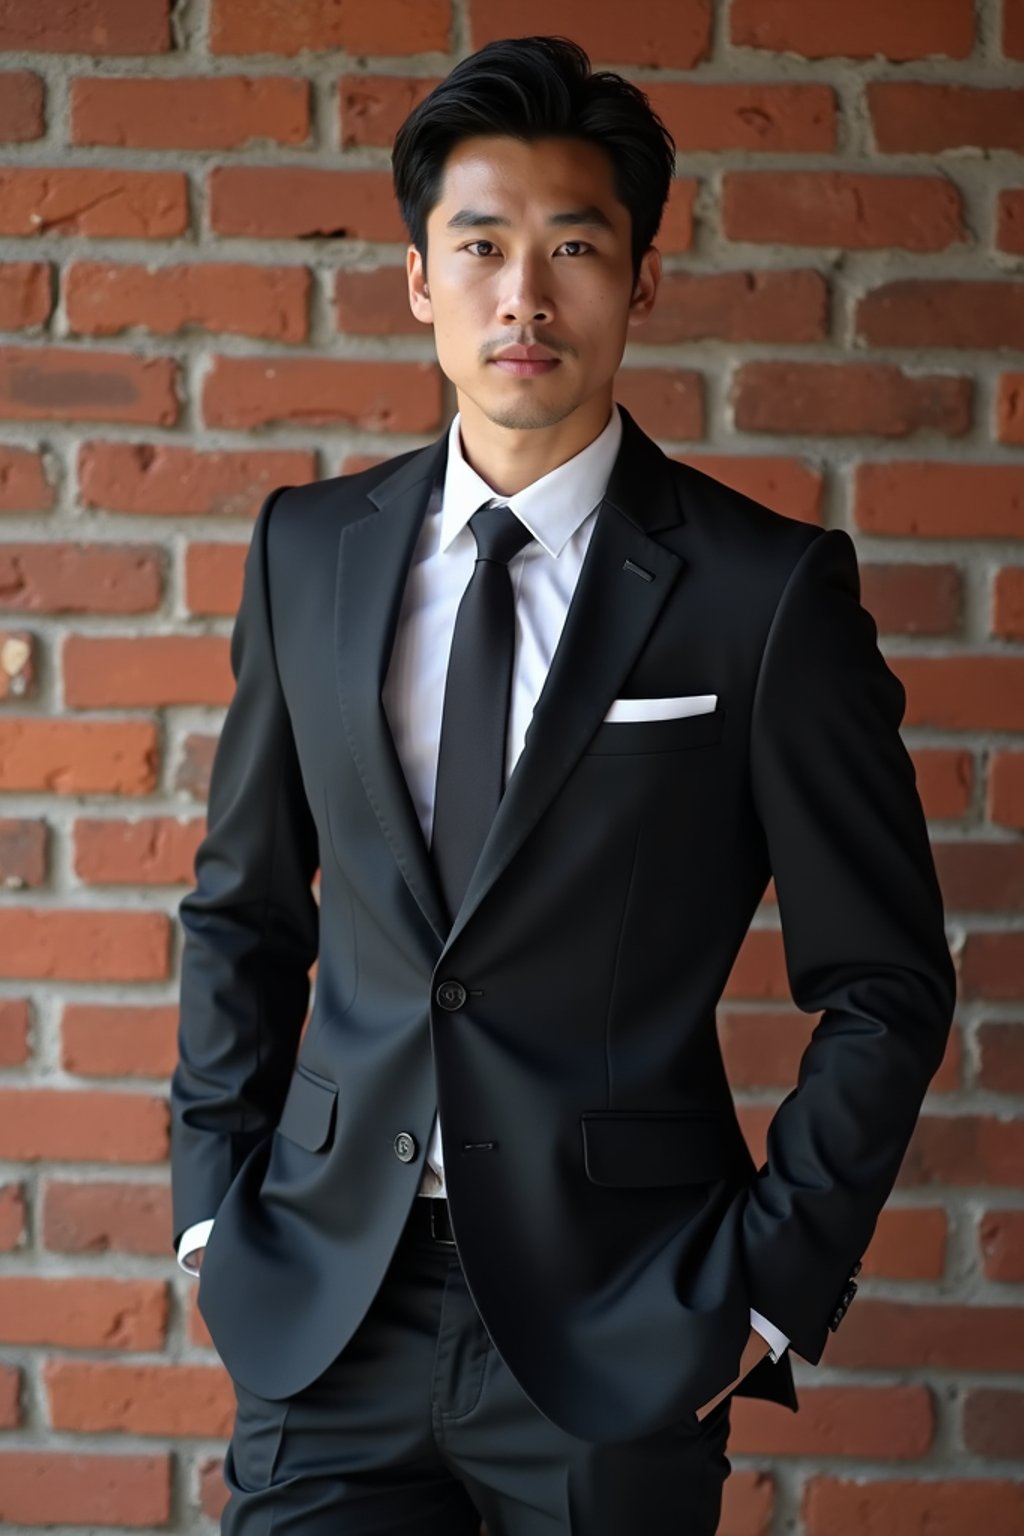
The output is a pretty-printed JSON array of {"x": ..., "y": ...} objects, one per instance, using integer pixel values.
[{"x": 447, "y": 1242}]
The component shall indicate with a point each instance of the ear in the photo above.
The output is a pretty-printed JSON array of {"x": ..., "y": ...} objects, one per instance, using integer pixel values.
[
  {"x": 645, "y": 292},
  {"x": 419, "y": 292}
]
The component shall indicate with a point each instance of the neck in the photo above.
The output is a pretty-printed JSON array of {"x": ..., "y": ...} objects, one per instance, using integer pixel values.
[{"x": 509, "y": 459}]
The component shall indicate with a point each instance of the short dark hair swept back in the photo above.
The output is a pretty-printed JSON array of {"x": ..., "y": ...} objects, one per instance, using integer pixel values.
[{"x": 530, "y": 88}]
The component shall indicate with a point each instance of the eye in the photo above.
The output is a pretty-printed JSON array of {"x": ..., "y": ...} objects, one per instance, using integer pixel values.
[
  {"x": 480, "y": 242},
  {"x": 582, "y": 243}
]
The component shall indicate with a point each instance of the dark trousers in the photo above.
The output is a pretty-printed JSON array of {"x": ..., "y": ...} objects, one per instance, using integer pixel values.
[{"x": 418, "y": 1428}]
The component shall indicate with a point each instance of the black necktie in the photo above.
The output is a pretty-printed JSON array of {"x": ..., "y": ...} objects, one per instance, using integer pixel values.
[{"x": 478, "y": 688}]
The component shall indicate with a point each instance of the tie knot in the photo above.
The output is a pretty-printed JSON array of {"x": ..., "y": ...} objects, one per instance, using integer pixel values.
[{"x": 499, "y": 533}]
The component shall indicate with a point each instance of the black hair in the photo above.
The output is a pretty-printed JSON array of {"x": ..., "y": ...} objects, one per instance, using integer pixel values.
[{"x": 530, "y": 88}]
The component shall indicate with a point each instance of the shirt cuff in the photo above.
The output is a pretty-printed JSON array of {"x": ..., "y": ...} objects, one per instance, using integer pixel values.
[
  {"x": 778, "y": 1342},
  {"x": 193, "y": 1238}
]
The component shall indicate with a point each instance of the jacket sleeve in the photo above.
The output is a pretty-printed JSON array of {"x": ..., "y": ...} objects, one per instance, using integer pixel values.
[
  {"x": 250, "y": 924},
  {"x": 863, "y": 936}
]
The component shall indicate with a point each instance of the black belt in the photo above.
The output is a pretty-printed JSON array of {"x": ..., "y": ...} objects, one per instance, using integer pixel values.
[{"x": 429, "y": 1221}]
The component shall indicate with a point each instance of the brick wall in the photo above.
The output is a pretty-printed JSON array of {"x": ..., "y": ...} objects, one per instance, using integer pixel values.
[{"x": 202, "y": 296}]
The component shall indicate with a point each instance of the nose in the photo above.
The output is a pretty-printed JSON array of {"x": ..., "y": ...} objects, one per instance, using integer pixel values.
[{"x": 523, "y": 298}]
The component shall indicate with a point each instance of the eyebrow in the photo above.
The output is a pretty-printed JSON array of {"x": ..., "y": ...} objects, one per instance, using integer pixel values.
[{"x": 475, "y": 218}]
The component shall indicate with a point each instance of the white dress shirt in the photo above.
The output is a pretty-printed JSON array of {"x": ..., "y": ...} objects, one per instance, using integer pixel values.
[{"x": 560, "y": 510}]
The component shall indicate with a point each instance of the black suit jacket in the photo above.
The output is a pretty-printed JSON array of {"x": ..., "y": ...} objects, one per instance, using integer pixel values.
[{"x": 612, "y": 1225}]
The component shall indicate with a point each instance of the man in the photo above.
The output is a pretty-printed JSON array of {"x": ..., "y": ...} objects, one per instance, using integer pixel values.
[{"x": 547, "y": 710}]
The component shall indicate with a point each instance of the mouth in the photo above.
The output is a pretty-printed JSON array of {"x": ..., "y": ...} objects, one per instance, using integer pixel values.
[{"x": 524, "y": 367}]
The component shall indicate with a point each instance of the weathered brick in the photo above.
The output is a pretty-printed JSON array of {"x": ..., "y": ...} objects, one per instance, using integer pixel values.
[
  {"x": 93, "y": 201},
  {"x": 668, "y": 34},
  {"x": 101, "y": 299},
  {"x": 86, "y": 26},
  {"x": 213, "y": 578},
  {"x": 768, "y": 306},
  {"x": 165, "y": 480},
  {"x": 159, "y": 1399},
  {"x": 69, "y": 383},
  {"x": 114, "y": 672},
  {"x": 114, "y": 1040},
  {"x": 76, "y": 1488},
  {"x": 24, "y": 294},
  {"x": 105, "y": 1216},
  {"x": 848, "y": 398},
  {"x": 669, "y": 401},
  {"x": 247, "y": 392},
  {"x": 1010, "y": 221},
  {"x": 926, "y": 118},
  {"x": 790, "y": 486},
  {"x": 777, "y": 118},
  {"x": 834, "y": 1506},
  {"x": 1010, "y": 408},
  {"x": 910, "y": 30},
  {"x": 909, "y": 599},
  {"x": 23, "y": 856},
  {"x": 22, "y": 104},
  {"x": 24, "y": 486},
  {"x": 1001, "y": 1241},
  {"x": 83, "y": 1312},
  {"x": 88, "y": 944},
  {"x": 1008, "y": 603},
  {"x": 72, "y": 1125},
  {"x": 391, "y": 27},
  {"x": 281, "y": 202},
  {"x": 373, "y": 107},
  {"x": 81, "y": 578},
  {"x": 843, "y": 209},
  {"x": 936, "y": 312},
  {"x": 78, "y": 757},
  {"x": 941, "y": 499},
  {"x": 156, "y": 850},
  {"x": 190, "y": 112}
]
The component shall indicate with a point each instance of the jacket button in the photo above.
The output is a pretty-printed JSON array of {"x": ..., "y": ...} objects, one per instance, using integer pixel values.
[
  {"x": 451, "y": 995},
  {"x": 405, "y": 1147}
]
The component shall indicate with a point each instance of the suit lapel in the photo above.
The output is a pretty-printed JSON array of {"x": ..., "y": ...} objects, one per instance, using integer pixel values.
[{"x": 612, "y": 612}]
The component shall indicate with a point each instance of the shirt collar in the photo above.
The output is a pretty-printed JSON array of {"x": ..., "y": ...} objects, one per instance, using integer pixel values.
[{"x": 553, "y": 507}]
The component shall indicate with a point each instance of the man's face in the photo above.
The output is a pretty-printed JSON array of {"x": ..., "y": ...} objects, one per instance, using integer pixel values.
[{"x": 529, "y": 246}]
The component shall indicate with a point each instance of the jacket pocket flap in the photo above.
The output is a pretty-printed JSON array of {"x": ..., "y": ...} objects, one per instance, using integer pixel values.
[
  {"x": 308, "y": 1112},
  {"x": 653, "y": 1147}
]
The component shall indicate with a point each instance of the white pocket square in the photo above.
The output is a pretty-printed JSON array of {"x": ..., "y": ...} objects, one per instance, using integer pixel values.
[{"x": 662, "y": 709}]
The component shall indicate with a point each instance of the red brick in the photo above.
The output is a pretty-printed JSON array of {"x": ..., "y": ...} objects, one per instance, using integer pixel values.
[
  {"x": 901, "y": 1335},
  {"x": 72, "y": 757},
  {"x": 991, "y": 966},
  {"x": 1008, "y": 603},
  {"x": 669, "y": 401},
  {"x": 923, "y": 118},
  {"x": 1013, "y": 29},
  {"x": 945, "y": 780},
  {"x": 676, "y": 231},
  {"x": 964, "y": 1149},
  {"x": 86, "y": 26},
  {"x": 270, "y": 302},
  {"x": 665, "y": 34},
  {"x": 113, "y": 1040},
  {"x": 18, "y": 664},
  {"x": 76, "y": 1488},
  {"x": 779, "y": 118},
  {"x": 1010, "y": 408},
  {"x": 72, "y": 384},
  {"x": 980, "y": 875},
  {"x": 22, "y": 104},
  {"x": 81, "y": 578},
  {"x": 848, "y": 399},
  {"x": 83, "y": 1312},
  {"x": 15, "y": 1026},
  {"x": 282, "y": 202},
  {"x": 24, "y": 294},
  {"x": 213, "y": 578},
  {"x": 748, "y": 1499},
  {"x": 906, "y": 599},
  {"x": 164, "y": 480},
  {"x": 1006, "y": 790},
  {"x": 906, "y": 31},
  {"x": 963, "y": 692},
  {"x": 51, "y": 943},
  {"x": 842, "y": 209},
  {"x": 13, "y": 1234},
  {"x": 993, "y": 1422},
  {"x": 933, "y": 1506},
  {"x": 69, "y": 1125},
  {"x": 192, "y": 775},
  {"x": 374, "y": 107},
  {"x": 909, "y": 1243},
  {"x": 156, "y": 850},
  {"x": 940, "y": 313},
  {"x": 940, "y": 500},
  {"x": 129, "y": 672},
  {"x": 1001, "y": 1056},
  {"x": 767, "y": 306},
  {"x": 160, "y": 1399},
  {"x": 24, "y": 486},
  {"x": 93, "y": 201},
  {"x": 23, "y": 853},
  {"x": 390, "y": 27},
  {"x": 1001, "y": 1239},
  {"x": 247, "y": 392},
  {"x": 884, "y": 1423},
  {"x": 105, "y": 1216},
  {"x": 790, "y": 486},
  {"x": 1010, "y": 221},
  {"x": 190, "y": 112},
  {"x": 374, "y": 303}
]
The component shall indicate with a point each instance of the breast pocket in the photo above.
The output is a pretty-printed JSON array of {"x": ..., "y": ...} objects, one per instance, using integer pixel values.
[{"x": 615, "y": 736}]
